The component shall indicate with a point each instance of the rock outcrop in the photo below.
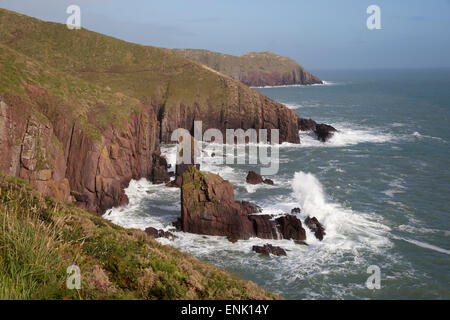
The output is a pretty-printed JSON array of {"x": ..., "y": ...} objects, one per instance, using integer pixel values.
[
  {"x": 255, "y": 178},
  {"x": 158, "y": 233},
  {"x": 322, "y": 131},
  {"x": 208, "y": 207},
  {"x": 315, "y": 226},
  {"x": 255, "y": 69},
  {"x": 268, "y": 249}
]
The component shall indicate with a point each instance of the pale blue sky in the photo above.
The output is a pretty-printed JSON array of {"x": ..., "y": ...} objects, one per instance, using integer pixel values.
[{"x": 319, "y": 34}]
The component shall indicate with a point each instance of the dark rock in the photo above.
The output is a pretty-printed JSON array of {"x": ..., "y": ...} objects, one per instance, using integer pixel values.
[
  {"x": 306, "y": 124},
  {"x": 269, "y": 249},
  {"x": 155, "y": 233},
  {"x": 177, "y": 224},
  {"x": 254, "y": 178},
  {"x": 290, "y": 227},
  {"x": 264, "y": 227},
  {"x": 296, "y": 210},
  {"x": 324, "y": 132},
  {"x": 315, "y": 226}
]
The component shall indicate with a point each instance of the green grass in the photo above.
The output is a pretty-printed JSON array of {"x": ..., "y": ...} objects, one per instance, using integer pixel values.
[
  {"x": 234, "y": 65},
  {"x": 103, "y": 80},
  {"x": 40, "y": 237}
]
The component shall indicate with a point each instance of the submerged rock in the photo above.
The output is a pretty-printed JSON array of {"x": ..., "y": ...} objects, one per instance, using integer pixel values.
[
  {"x": 290, "y": 227},
  {"x": 269, "y": 249},
  {"x": 315, "y": 226}
]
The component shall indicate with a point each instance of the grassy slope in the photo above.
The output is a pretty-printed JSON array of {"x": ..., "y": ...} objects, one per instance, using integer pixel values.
[
  {"x": 142, "y": 72},
  {"x": 230, "y": 65},
  {"x": 41, "y": 237}
]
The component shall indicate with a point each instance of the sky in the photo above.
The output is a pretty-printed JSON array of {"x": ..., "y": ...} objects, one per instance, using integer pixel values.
[{"x": 319, "y": 34}]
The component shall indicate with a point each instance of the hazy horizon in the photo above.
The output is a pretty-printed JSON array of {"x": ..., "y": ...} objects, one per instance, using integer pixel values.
[{"x": 319, "y": 36}]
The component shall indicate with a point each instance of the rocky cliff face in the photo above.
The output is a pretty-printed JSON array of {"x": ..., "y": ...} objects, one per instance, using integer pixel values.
[
  {"x": 255, "y": 69},
  {"x": 61, "y": 160},
  {"x": 82, "y": 113}
]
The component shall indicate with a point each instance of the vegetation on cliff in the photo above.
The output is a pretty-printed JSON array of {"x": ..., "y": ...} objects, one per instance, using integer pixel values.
[
  {"x": 40, "y": 237},
  {"x": 81, "y": 114},
  {"x": 254, "y": 68}
]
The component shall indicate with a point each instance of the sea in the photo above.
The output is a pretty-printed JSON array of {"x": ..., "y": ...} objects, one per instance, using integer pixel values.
[{"x": 380, "y": 186}]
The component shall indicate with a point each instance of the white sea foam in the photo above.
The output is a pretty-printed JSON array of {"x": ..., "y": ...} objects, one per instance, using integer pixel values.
[
  {"x": 423, "y": 245},
  {"x": 396, "y": 186},
  {"x": 135, "y": 215},
  {"x": 421, "y": 136},
  {"x": 347, "y": 135},
  {"x": 349, "y": 234},
  {"x": 325, "y": 83},
  {"x": 345, "y": 228}
]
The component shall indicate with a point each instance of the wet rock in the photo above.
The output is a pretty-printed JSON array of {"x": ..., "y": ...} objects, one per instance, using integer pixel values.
[
  {"x": 306, "y": 124},
  {"x": 254, "y": 178},
  {"x": 315, "y": 226},
  {"x": 264, "y": 227},
  {"x": 290, "y": 227},
  {"x": 296, "y": 210},
  {"x": 155, "y": 233},
  {"x": 269, "y": 249},
  {"x": 324, "y": 132},
  {"x": 177, "y": 224},
  {"x": 301, "y": 242}
]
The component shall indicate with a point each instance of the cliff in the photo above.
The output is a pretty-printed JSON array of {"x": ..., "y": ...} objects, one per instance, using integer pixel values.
[
  {"x": 81, "y": 114},
  {"x": 40, "y": 237},
  {"x": 255, "y": 69}
]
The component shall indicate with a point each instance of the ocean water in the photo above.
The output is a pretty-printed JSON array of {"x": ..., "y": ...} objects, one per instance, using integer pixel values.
[{"x": 380, "y": 186}]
